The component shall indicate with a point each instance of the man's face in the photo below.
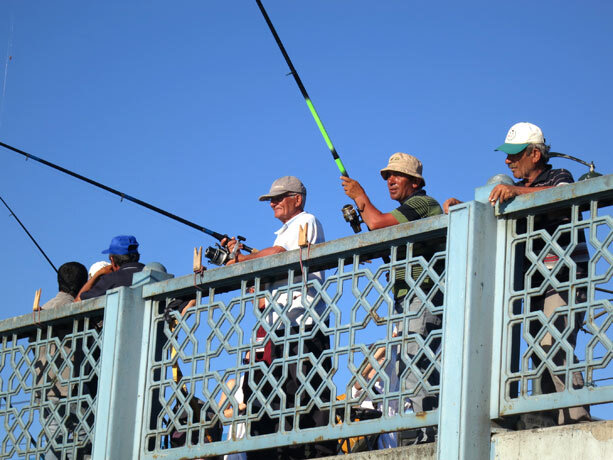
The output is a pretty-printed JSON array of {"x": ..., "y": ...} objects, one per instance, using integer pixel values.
[
  {"x": 286, "y": 206},
  {"x": 401, "y": 186},
  {"x": 522, "y": 164}
]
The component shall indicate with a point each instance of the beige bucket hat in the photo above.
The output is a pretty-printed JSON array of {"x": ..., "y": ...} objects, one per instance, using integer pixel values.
[{"x": 406, "y": 164}]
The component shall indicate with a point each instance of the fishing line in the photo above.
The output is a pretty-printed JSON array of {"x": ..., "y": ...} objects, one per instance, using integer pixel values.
[
  {"x": 9, "y": 57},
  {"x": 29, "y": 234},
  {"x": 122, "y": 195}
]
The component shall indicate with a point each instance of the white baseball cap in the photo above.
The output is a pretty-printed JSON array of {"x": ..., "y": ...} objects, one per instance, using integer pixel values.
[
  {"x": 520, "y": 136},
  {"x": 97, "y": 266}
]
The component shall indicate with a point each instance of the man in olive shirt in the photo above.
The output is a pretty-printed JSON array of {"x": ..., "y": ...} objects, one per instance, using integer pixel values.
[{"x": 405, "y": 183}]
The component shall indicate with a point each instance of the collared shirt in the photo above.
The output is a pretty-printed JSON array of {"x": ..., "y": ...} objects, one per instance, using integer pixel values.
[
  {"x": 287, "y": 238},
  {"x": 287, "y": 235},
  {"x": 417, "y": 206},
  {"x": 549, "y": 178}
]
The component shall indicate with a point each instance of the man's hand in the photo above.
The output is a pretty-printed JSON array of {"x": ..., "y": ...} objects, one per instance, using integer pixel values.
[
  {"x": 93, "y": 280},
  {"x": 230, "y": 244},
  {"x": 352, "y": 188},
  {"x": 450, "y": 202},
  {"x": 503, "y": 192},
  {"x": 103, "y": 271}
]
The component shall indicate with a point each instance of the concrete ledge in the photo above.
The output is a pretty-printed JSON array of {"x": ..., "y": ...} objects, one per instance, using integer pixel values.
[
  {"x": 419, "y": 452},
  {"x": 593, "y": 441}
]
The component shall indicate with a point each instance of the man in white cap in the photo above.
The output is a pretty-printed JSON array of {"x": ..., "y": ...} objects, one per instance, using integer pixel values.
[
  {"x": 405, "y": 184},
  {"x": 527, "y": 158},
  {"x": 287, "y": 197}
]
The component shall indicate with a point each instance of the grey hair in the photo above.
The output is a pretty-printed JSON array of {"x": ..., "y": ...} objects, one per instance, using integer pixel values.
[{"x": 544, "y": 149}]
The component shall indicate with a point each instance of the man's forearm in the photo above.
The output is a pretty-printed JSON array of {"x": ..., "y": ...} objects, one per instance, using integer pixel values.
[
  {"x": 372, "y": 217},
  {"x": 262, "y": 253},
  {"x": 503, "y": 192}
]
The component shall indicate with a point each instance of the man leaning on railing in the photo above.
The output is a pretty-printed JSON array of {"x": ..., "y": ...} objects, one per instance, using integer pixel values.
[
  {"x": 527, "y": 158},
  {"x": 405, "y": 184}
]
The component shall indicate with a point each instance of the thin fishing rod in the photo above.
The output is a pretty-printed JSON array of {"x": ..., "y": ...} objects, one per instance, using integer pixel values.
[
  {"x": 28, "y": 233},
  {"x": 212, "y": 233},
  {"x": 338, "y": 161}
]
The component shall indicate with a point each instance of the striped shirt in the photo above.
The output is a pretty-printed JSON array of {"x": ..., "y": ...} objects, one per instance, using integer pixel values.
[
  {"x": 417, "y": 206},
  {"x": 549, "y": 178}
]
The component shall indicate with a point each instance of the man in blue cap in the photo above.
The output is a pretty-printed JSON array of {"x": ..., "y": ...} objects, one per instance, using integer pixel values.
[{"x": 124, "y": 256}]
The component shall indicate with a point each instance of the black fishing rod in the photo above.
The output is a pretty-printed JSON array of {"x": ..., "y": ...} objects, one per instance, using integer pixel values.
[
  {"x": 303, "y": 90},
  {"x": 212, "y": 233},
  {"x": 29, "y": 234}
]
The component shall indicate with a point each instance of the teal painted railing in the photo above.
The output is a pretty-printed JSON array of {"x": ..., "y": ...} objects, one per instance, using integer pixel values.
[{"x": 145, "y": 382}]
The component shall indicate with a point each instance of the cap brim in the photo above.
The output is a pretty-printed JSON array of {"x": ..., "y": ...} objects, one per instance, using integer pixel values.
[
  {"x": 388, "y": 169},
  {"x": 512, "y": 149},
  {"x": 269, "y": 197},
  {"x": 106, "y": 251}
]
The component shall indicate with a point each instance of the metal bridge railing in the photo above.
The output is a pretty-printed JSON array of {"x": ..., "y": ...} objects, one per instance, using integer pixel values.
[
  {"x": 48, "y": 381},
  {"x": 557, "y": 312},
  {"x": 361, "y": 331},
  {"x": 362, "y": 334}
]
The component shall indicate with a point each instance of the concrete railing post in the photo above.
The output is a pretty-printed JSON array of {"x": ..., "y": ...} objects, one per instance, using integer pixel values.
[
  {"x": 464, "y": 424},
  {"x": 125, "y": 337}
]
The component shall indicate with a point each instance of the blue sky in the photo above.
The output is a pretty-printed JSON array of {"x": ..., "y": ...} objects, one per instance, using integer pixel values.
[{"x": 187, "y": 105}]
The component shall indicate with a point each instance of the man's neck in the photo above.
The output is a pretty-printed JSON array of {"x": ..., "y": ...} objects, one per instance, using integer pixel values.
[
  {"x": 533, "y": 175},
  {"x": 294, "y": 215},
  {"x": 402, "y": 200}
]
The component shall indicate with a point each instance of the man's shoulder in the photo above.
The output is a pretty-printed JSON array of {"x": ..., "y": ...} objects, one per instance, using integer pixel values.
[
  {"x": 305, "y": 217},
  {"x": 551, "y": 178},
  {"x": 424, "y": 205},
  {"x": 119, "y": 278},
  {"x": 61, "y": 299}
]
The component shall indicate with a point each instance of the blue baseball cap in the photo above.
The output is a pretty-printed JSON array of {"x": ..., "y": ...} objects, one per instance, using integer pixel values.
[{"x": 122, "y": 245}]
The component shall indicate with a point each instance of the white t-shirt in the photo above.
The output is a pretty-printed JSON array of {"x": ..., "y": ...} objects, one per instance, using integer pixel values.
[{"x": 287, "y": 238}]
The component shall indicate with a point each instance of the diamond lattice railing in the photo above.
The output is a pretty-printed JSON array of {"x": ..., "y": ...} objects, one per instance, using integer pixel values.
[
  {"x": 363, "y": 332},
  {"x": 48, "y": 384}
]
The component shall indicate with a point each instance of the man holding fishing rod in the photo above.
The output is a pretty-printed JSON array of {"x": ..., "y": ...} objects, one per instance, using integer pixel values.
[
  {"x": 287, "y": 197},
  {"x": 405, "y": 184}
]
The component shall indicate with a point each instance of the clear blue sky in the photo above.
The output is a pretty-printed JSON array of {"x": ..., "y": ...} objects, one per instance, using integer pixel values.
[{"x": 187, "y": 105}]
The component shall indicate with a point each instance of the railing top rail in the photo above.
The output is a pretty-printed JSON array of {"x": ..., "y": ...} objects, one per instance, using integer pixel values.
[
  {"x": 556, "y": 197},
  {"x": 20, "y": 323},
  {"x": 319, "y": 255}
]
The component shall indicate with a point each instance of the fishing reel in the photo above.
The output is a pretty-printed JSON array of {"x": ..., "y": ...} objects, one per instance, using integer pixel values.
[
  {"x": 219, "y": 255},
  {"x": 353, "y": 217}
]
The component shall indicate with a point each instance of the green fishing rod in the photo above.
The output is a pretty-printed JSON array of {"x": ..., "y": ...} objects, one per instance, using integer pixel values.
[
  {"x": 123, "y": 196},
  {"x": 349, "y": 213},
  {"x": 320, "y": 125}
]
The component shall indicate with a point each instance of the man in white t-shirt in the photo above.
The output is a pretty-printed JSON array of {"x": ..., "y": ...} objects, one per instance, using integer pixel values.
[{"x": 287, "y": 198}]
